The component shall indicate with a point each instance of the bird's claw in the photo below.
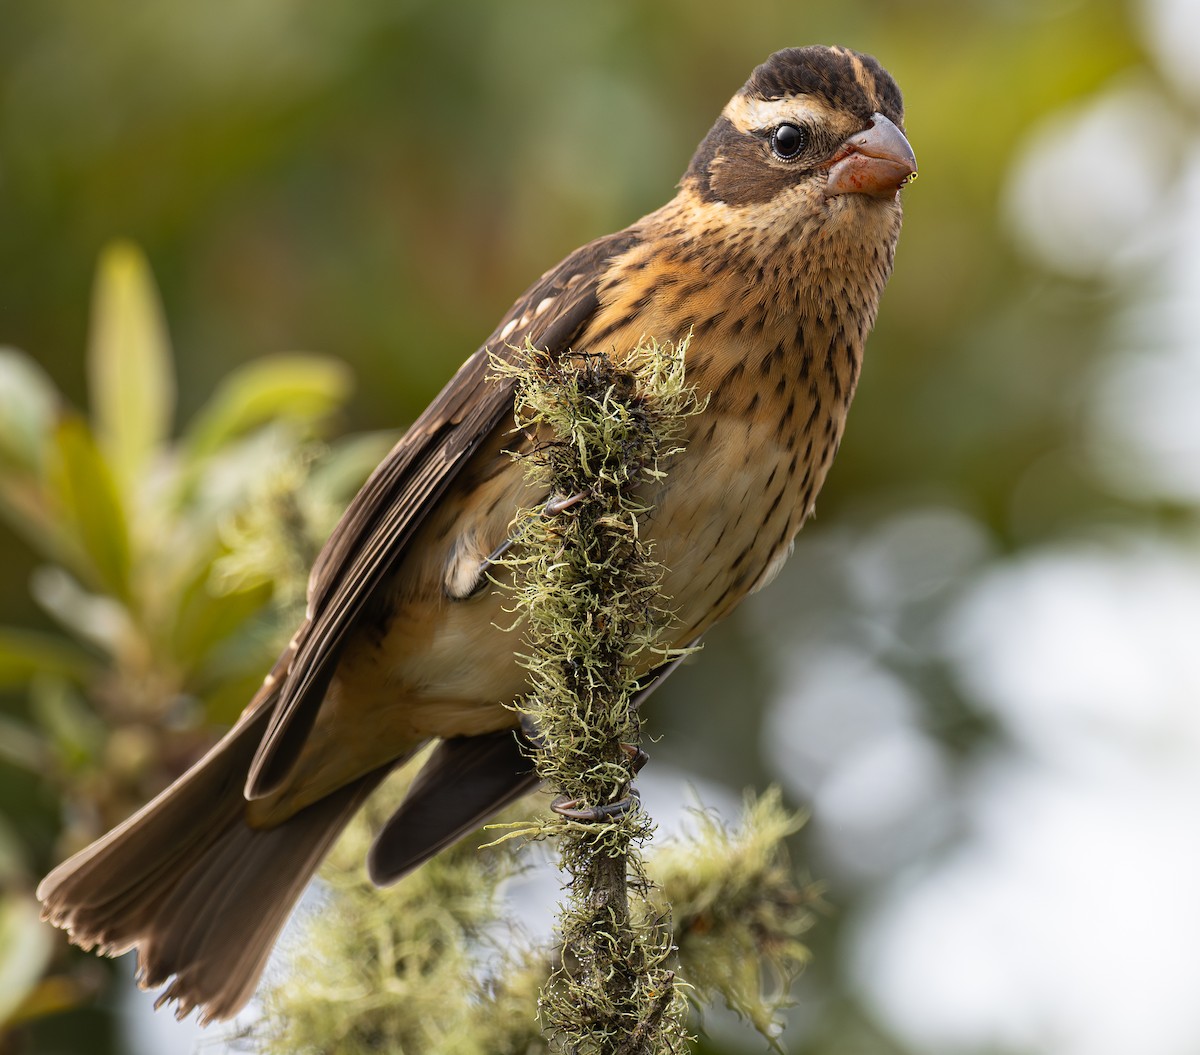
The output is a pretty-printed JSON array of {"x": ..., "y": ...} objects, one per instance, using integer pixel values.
[
  {"x": 532, "y": 733},
  {"x": 568, "y": 807},
  {"x": 561, "y": 503},
  {"x": 637, "y": 757},
  {"x": 572, "y": 810},
  {"x": 529, "y": 727}
]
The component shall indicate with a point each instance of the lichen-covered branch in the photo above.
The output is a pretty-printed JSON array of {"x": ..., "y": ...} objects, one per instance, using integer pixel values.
[{"x": 587, "y": 587}]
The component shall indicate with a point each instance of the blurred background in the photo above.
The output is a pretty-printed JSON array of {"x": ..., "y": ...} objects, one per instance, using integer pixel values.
[{"x": 979, "y": 673}]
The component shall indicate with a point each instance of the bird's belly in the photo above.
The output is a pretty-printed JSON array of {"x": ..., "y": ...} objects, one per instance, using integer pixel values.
[{"x": 726, "y": 519}]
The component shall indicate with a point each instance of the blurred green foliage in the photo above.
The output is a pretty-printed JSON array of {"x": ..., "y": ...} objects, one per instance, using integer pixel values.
[
  {"x": 164, "y": 622},
  {"x": 378, "y": 180}
]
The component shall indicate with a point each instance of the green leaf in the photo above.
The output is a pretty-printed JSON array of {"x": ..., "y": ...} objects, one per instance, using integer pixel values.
[
  {"x": 300, "y": 388},
  {"x": 71, "y": 725},
  {"x": 82, "y": 483},
  {"x": 25, "y": 947},
  {"x": 29, "y": 511},
  {"x": 24, "y": 653},
  {"x": 28, "y": 409},
  {"x": 337, "y": 475},
  {"x": 131, "y": 377},
  {"x": 95, "y": 618},
  {"x": 205, "y": 618},
  {"x": 28, "y": 402}
]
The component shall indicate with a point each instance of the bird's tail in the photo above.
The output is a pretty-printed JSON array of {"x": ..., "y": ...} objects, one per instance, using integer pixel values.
[{"x": 187, "y": 882}]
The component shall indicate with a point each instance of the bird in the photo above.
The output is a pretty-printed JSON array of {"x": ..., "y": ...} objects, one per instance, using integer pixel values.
[{"x": 772, "y": 256}]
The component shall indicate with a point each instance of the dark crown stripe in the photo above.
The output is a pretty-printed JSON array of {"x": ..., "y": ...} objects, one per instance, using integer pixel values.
[{"x": 830, "y": 74}]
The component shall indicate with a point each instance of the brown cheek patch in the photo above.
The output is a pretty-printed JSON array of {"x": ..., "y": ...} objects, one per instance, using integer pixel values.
[{"x": 740, "y": 175}]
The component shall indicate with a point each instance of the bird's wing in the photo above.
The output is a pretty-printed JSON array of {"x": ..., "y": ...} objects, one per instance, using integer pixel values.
[{"x": 377, "y": 526}]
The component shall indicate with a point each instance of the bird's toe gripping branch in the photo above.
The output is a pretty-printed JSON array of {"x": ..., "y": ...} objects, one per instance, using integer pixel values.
[{"x": 575, "y": 810}]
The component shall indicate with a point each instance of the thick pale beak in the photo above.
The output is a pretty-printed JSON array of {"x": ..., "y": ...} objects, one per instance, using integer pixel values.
[{"x": 877, "y": 161}]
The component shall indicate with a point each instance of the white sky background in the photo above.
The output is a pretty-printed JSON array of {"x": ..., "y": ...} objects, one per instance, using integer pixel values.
[
  {"x": 1063, "y": 914},
  {"x": 1064, "y": 919}
]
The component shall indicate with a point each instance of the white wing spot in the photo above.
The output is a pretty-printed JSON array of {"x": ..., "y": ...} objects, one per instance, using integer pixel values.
[
  {"x": 508, "y": 328},
  {"x": 542, "y": 306}
]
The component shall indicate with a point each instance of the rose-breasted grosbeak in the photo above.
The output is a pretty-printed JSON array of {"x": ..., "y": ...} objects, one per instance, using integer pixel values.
[{"x": 773, "y": 256}]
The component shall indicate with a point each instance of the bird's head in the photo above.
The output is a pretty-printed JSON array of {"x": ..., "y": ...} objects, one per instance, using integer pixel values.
[{"x": 814, "y": 130}]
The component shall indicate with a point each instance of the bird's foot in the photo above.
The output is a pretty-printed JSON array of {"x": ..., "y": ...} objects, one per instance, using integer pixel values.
[
  {"x": 572, "y": 810},
  {"x": 568, "y": 807},
  {"x": 555, "y": 505}
]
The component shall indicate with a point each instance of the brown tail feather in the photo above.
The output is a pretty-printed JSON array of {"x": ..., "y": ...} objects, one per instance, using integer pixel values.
[{"x": 187, "y": 882}]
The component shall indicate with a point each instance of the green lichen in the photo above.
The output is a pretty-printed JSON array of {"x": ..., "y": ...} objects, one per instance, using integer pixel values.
[{"x": 739, "y": 912}]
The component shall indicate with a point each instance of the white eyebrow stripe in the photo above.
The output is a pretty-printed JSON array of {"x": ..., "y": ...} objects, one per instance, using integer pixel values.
[{"x": 753, "y": 115}]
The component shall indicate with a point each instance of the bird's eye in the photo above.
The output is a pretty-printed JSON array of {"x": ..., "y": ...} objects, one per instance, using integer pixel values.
[{"x": 787, "y": 141}]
